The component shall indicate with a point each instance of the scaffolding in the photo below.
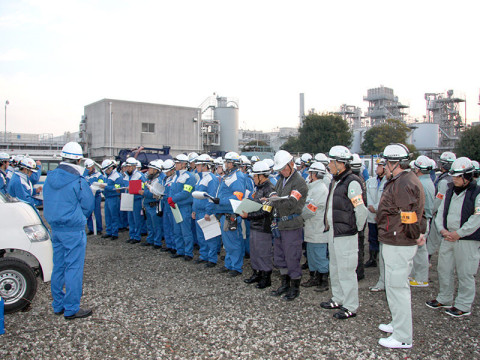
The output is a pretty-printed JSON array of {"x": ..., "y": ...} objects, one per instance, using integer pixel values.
[
  {"x": 444, "y": 110},
  {"x": 353, "y": 116},
  {"x": 383, "y": 105}
]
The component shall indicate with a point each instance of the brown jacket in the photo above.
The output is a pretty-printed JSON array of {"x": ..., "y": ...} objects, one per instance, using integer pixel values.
[{"x": 400, "y": 214}]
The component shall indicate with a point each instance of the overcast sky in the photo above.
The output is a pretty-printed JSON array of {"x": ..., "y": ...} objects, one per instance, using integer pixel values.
[{"x": 56, "y": 56}]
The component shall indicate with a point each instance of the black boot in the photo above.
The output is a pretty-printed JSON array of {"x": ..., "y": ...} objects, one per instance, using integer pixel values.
[
  {"x": 265, "y": 280},
  {"x": 315, "y": 279},
  {"x": 372, "y": 261},
  {"x": 294, "y": 290},
  {"x": 254, "y": 278},
  {"x": 323, "y": 286},
  {"x": 284, "y": 287}
]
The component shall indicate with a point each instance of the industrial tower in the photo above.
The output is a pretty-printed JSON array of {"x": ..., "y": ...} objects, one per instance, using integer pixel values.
[
  {"x": 383, "y": 105},
  {"x": 444, "y": 111},
  {"x": 353, "y": 115}
]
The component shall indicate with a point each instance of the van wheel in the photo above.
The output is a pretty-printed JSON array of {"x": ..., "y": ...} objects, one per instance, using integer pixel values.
[{"x": 18, "y": 284}]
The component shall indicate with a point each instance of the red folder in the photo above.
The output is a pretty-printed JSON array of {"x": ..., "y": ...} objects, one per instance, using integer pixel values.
[{"x": 134, "y": 186}]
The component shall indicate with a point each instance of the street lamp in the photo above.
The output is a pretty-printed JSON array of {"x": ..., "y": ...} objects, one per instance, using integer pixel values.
[{"x": 6, "y": 103}]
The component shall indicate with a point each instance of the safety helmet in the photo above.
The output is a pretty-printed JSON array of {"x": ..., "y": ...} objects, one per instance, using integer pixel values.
[
  {"x": 260, "y": 167},
  {"x": 131, "y": 161},
  {"x": 306, "y": 158},
  {"x": 396, "y": 152},
  {"x": 269, "y": 162},
  {"x": 107, "y": 163},
  {"x": 340, "y": 153},
  {"x": 29, "y": 164},
  {"x": 381, "y": 161},
  {"x": 89, "y": 163},
  {"x": 168, "y": 165},
  {"x": 232, "y": 157},
  {"x": 139, "y": 164},
  {"x": 254, "y": 159},
  {"x": 318, "y": 167},
  {"x": 434, "y": 164},
  {"x": 204, "y": 159},
  {"x": 123, "y": 164},
  {"x": 446, "y": 159},
  {"x": 72, "y": 150},
  {"x": 155, "y": 164},
  {"x": 461, "y": 166},
  {"x": 298, "y": 162},
  {"x": 192, "y": 156},
  {"x": 321, "y": 157},
  {"x": 4, "y": 157},
  {"x": 18, "y": 158},
  {"x": 423, "y": 163},
  {"x": 356, "y": 162},
  {"x": 411, "y": 164},
  {"x": 476, "y": 165},
  {"x": 218, "y": 161},
  {"x": 181, "y": 158},
  {"x": 281, "y": 159},
  {"x": 244, "y": 160}
]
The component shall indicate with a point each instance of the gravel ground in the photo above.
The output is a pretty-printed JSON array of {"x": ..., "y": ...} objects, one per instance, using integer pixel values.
[{"x": 149, "y": 306}]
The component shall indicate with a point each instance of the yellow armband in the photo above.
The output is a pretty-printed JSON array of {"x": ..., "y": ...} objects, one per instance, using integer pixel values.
[
  {"x": 117, "y": 186},
  {"x": 188, "y": 188},
  {"x": 409, "y": 217}
]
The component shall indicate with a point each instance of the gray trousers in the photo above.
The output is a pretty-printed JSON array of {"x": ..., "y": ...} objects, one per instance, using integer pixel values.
[
  {"x": 261, "y": 250},
  {"x": 343, "y": 263},
  {"x": 463, "y": 257},
  {"x": 420, "y": 265},
  {"x": 398, "y": 265},
  {"x": 434, "y": 238},
  {"x": 381, "y": 268},
  {"x": 287, "y": 252}
]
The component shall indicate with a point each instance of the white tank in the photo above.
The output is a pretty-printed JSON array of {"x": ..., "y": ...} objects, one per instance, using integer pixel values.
[
  {"x": 227, "y": 114},
  {"x": 425, "y": 136}
]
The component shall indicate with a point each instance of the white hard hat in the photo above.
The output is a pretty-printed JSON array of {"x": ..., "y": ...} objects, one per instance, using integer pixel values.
[
  {"x": 423, "y": 163},
  {"x": 269, "y": 162},
  {"x": 434, "y": 164},
  {"x": 72, "y": 150},
  {"x": 381, "y": 161},
  {"x": 4, "y": 157},
  {"x": 318, "y": 167},
  {"x": 139, "y": 164},
  {"x": 411, "y": 164},
  {"x": 396, "y": 152},
  {"x": 18, "y": 158},
  {"x": 107, "y": 163},
  {"x": 244, "y": 160},
  {"x": 131, "y": 161},
  {"x": 181, "y": 158},
  {"x": 29, "y": 164},
  {"x": 204, "y": 159},
  {"x": 476, "y": 165},
  {"x": 461, "y": 166},
  {"x": 254, "y": 158},
  {"x": 340, "y": 153},
  {"x": 261, "y": 167},
  {"x": 446, "y": 159},
  {"x": 218, "y": 161},
  {"x": 356, "y": 162},
  {"x": 192, "y": 156},
  {"x": 306, "y": 158},
  {"x": 281, "y": 159},
  {"x": 232, "y": 156},
  {"x": 168, "y": 165},
  {"x": 89, "y": 163},
  {"x": 298, "y": 161},
  {"x": 321, "y": 157},
  {"x": 154, "y": 164}
]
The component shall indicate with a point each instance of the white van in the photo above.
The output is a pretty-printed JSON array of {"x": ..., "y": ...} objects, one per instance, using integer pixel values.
[{"x": 25, "y": 253}]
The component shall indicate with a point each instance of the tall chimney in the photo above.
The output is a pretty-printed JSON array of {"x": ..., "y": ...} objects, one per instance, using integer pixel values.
[{"x": 302, "y": 109}]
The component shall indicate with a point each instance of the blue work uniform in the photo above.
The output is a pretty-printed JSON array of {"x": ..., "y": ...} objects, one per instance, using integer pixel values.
[
  {"x": 181, "y": 193},
  {"x": 249, "y": 190},
  {"x": 168, "y": 229},
  {"x": 91, "y": 178},
  {"x": 3, "y": 182},
  {"x": 68, "y": 201},
  {"x": 112, "y": 203},
  {"x": 151, "y": 206},
  {"x": 35, "y": 177},
  {"x": 135, "y": 217},
  {"x": 232, "y": 239},
  {"x": 208, "y": 248},
  {"x": 123, "y": 222},
  {"x": 20, "y": 187}
]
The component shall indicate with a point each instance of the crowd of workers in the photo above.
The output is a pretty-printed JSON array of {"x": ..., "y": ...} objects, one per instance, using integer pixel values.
[{"x": 319, "y": 206}]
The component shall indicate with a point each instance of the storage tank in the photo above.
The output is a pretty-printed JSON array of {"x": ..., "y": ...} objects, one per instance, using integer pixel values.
[
  {"x": 226, "y": 112},
  {"x": 425, "y": 136}
]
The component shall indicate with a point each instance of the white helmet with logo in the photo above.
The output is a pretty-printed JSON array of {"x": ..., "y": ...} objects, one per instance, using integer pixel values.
[
  {"x": 4, "y": 157},
  {"x": 72, "y": 150},
  {"x": 446, "y": 159},
  {"x": 181, "y": 158},
  {"x": 281, "y": 159},
  {"x": 156, "y": 164},
  {"x": 204, "y": 159},
  {"x": 269, "y": 162},
  {"x": 318, "y": 167},
  {"x": 168, "y": 165},
  {"x": 461, "y": 166},
  {"x": 254, "y": 159},
  {"x": 131, "y": 161},
  {"x": 107, "y": 163},
  {"x": 321, "y": 157},
  {"x": 306, "y": 158},
  {"x": 356, "y": 162},
  {"x": 340, "y": 153},
  {"x": 28, "y": 163},
  {"x": 232, "y": 156},
  {"x": 218, "y": 161},
  {"x": 423, "y": 163},
  {"x": 260, "y": 167},
  {"x": 192, "y": 156},
  {"x": 245, "y": 160},
  {"x": 89, "y": 163},
  {"x": 396, "y": 152}
]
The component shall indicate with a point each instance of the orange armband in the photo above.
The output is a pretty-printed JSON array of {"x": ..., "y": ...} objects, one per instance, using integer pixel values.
[
  {"x": 296, "y": 194},
  {"x": 312, "y": 207},
  {"x": 357, "y": 200},
  {"x": 409, "y": 217}
]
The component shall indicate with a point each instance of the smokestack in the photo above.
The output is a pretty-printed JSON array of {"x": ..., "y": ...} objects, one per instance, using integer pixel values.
[{"x": 302, "y": 109}]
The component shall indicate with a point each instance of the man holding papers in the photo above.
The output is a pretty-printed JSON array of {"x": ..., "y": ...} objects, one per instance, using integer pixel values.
[{"x": 135, "y": 222}]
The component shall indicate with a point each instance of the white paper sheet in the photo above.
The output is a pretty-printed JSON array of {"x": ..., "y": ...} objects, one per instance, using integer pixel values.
[
  {"x": 246, "y": 205},
  {"x": 126, "y": 202},
  {"x": 96, "y": 186},
  {"x": 177, "y": 215},
  {"x": 157, "y": 189},
  {"x": 210, "y": 228}
]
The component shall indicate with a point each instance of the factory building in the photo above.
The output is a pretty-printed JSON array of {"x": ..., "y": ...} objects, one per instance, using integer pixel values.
[{"x": 383, "y": 105}]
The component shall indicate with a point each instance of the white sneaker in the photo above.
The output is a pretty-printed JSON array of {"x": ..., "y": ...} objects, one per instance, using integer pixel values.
[
  {"x": 388, "y": 328},
  {"x": 376, "y": 288},
  {"x": 393, "y": 344}
]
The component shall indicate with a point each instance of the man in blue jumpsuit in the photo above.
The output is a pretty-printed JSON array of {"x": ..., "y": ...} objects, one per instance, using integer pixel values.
[
  {"x": 135, "y": 217},
  {"x": 202, "y": 209},
  {"x": 112, "y": 199},
  {"x": 68, "y": 201},
  {"x": 181, "y": 195},
  {"x": 232, "y": 187},
  {"x": 4, "y": 160},
  {"x": 92, "y": 175},
  {"x": 168, "y": 229},
  {"x": 20, "y": 186}
]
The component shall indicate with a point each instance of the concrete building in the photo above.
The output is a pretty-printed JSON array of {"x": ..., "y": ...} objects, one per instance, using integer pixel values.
[
  {"x": 35, "y": 144},
  {"x": 108, "y": 126},
  {"x": 280, "y": 135}
]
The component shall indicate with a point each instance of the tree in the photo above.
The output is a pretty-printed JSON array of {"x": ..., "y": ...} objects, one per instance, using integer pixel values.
[
  {"x": 377, "y": 137},
  {"x": 319, "y": 133},
  {"x": 469, "y": 143}
]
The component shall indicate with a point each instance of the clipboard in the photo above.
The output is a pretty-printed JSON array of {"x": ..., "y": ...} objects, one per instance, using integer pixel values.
[{"x": 134, "y": 186}]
